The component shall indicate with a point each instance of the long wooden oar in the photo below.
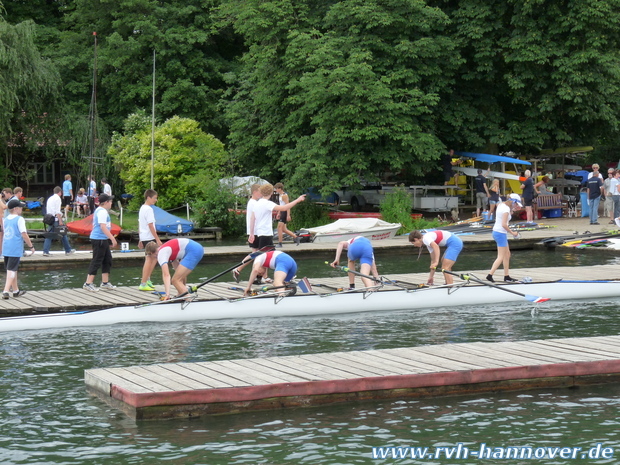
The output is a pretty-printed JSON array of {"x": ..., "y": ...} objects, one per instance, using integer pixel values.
[
  {"x": 466, "y": 277},
  {"x": 349, "y": 270}
]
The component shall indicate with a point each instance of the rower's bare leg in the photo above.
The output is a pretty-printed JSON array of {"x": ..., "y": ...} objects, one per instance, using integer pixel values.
[
  {"x": 365, "y": 268},
  {"x": 447, "y": 265}
]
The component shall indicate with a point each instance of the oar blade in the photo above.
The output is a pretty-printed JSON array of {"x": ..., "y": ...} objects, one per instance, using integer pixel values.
[
  {"x": 535, "y": 299},
  {"x": 304, "y": 286}
]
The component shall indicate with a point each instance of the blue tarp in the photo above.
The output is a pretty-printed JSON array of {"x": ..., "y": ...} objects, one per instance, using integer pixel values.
[
  {"x": 167, "y": 223},
  {"x": 488, "y": 158}
]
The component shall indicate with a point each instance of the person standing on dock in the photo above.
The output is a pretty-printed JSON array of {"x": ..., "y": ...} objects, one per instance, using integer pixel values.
[
  {"x": 54, "y": 208},
  {"x": 283, "y": 265},
  {"x": 595, "y": 191},
  {"x": 358, "y": 248},
  {"x": 500, "y": 234},
  {"x": 255, "y": 195},
  {"x": 100, "y": 238},
  {"x": 261, "y": 224},
  {"x": 528, "y": 196},
  {"x": 91, "y": 192},
  {"x": 284, "y": 217},
  {"x": 482, "y": 193},
  {"x": 15, "y": 234},
  {"x": 67, "y": 194},
  {"x": 147, "y": 234},
  {"x": 608, "y": 207},
  {"x": 433, "y": 240},
  {"x": 183, "y": 254}
]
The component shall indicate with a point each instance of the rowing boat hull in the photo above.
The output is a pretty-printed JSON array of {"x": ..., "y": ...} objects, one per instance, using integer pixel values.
[{"x": 316, "y": 305}]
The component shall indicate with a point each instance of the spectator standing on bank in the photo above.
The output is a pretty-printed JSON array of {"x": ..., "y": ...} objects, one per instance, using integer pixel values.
[
  {"x": 494, "y": 199},
  {"x": 18, "y": 192},
  {"x": 482, "y": 193},
  {"x": 54, "y": 207},
  {"x": 91, "y": 192},
  {"x": 608, "y": 207},
  {"x": 284, "y": 217},
  {"x": 13, "y": 246},
  {"x": 147, "y": 234},
  {"x": 595, "y": 191},
  {"x": 528, "y": 196},
  {"x": 100, "y": 238},
  {"x": 614, "y": 191},
  {"x": 107, "y": 190},
  {"x": 67, "y": 194}
]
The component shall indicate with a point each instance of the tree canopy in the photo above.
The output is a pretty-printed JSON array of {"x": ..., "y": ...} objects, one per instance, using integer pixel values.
[
  {"x": 185, "y": 157},
  {"x": 325, "y": 93}
]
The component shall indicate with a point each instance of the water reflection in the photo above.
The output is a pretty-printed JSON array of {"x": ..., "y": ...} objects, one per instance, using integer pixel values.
[{"x": 47, "y": 416}]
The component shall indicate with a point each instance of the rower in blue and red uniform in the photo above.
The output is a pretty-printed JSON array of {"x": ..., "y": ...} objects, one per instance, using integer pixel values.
[
  {"x": 283, "y": 265},
  {"x": 433, "y": 240},
  {"x": 184, "y": 254},
  {"x": 358, "y": 248}
]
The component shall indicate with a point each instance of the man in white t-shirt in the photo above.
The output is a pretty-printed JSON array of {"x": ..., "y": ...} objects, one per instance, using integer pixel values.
[
  {"x": 147, "y": 233},
  {"x": 261, "y": 224},
  {"x": 249, "y": 209},
  {"x": 54, "y": 207}
]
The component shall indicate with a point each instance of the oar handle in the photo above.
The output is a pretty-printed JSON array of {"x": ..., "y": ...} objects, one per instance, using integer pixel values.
[{"x": 349, "y": 270}]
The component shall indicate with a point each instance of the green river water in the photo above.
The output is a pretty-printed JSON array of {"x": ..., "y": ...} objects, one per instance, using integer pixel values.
[{"x": 47, "y": 417}]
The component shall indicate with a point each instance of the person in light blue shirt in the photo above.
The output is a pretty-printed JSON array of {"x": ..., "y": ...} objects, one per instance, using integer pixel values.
[
  {"x": 67, "y": 194},
  {"x": 15, "y": 235},
  {"x": 100, "y": 237}
]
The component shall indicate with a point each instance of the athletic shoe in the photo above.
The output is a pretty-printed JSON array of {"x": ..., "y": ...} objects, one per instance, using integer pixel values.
[
  {"x": 490, "y": 278},
  {"x": 70, "y": 252},
  {"x": 150, "y": 283},
  {"x": 5, "y": 295},
  {"x": 508, "y": 279},
  {"x": 47, "y": 254},
  {"x": 278, "y": 245},
  {"x": 18, "y": 293},
  {"x": 90, "y": 287},
  {"x": 235, "y": 274},
  {"x": 192, "y": 289},
  {"x": 297, "y": 240},
  {"x": 596, "y": 223},
  {"x": 146, "y": 287},
  {"x": 107, "y": 286}
]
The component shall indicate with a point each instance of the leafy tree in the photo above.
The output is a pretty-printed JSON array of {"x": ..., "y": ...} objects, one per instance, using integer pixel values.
[
  {"x": 29, "y": 86},
  {"x": 185, "y": 159},
  {"x": 536, "y": 73},
  {"x": 331, "y": 93},
  {"x": 191, "y": 58},
  {"x": 217, "y": 208}
]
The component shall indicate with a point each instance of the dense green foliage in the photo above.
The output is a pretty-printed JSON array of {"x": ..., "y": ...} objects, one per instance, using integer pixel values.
[
  {"x": 396, "y": 208},
  {"x": 29, "y": 86},
  {"x": 217, "y": 208},
  {"x": 185, "y": 159},
  {"x": 321, "y": 93}
]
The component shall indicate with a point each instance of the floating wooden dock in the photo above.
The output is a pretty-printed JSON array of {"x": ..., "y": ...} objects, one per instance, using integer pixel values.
[
  {"x": 66, "y": 300},
  {"x": 182, "y": 390}
]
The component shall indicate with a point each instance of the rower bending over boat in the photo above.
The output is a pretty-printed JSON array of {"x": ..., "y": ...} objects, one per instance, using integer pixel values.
[
  {"x": 433, "y": 240},
  {"x": 358, "y": 248},
  {"x": 283, "y": 265},
  {"x": 183, "y": 254}
]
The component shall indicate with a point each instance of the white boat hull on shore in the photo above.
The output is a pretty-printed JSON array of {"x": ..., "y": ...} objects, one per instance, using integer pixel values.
[
  {"x": 348, "y": 228},
  {"x": 317, "y": 305}
]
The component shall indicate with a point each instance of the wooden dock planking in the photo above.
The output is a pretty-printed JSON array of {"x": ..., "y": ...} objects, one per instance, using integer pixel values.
[{"x": 191, "y": 389}]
